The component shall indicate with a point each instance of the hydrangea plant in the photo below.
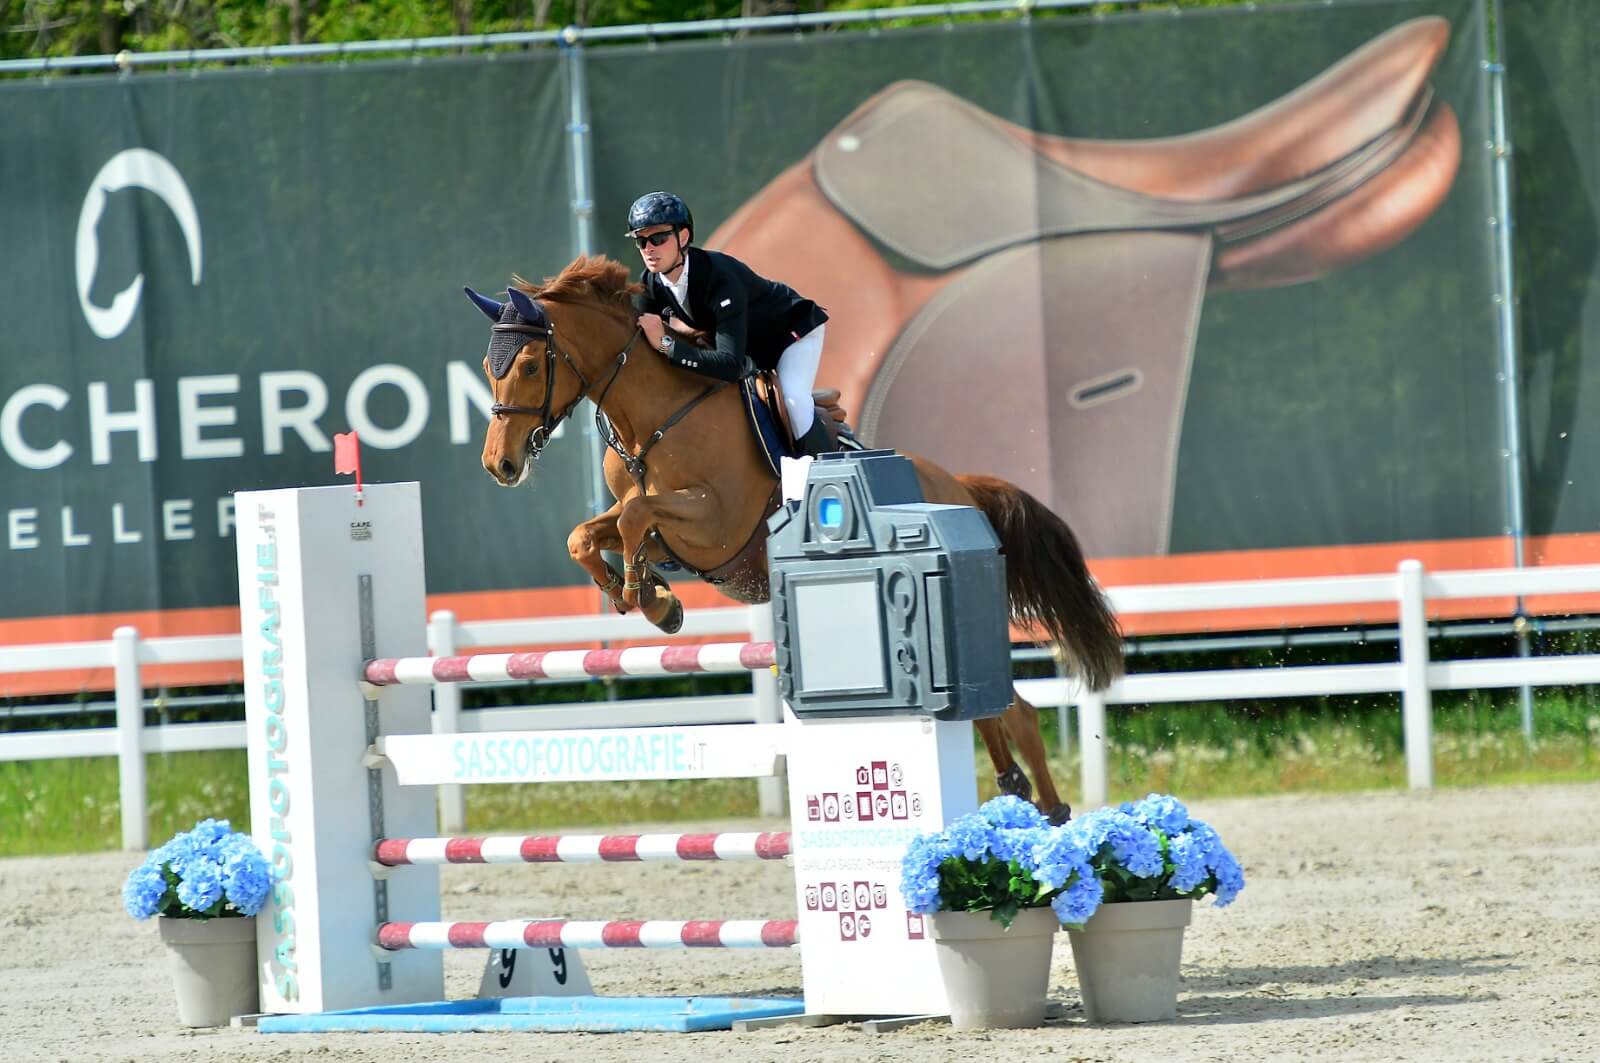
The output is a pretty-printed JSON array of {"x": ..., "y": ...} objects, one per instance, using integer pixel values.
[
  {"x": 1002, "y": 859},
  {"x": 209, "y": 872},
  {"x": 1151, "y": 850}
]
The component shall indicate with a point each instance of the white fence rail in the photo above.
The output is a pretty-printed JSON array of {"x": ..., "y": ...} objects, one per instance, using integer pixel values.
[{"x": 1413, "y": 675}]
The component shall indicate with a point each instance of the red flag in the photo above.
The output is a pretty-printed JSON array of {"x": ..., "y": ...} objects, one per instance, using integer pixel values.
[{"x": 347, "y": 457}]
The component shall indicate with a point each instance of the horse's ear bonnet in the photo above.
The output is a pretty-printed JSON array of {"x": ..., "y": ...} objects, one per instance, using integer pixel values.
[{"x": 504, "y": 343}]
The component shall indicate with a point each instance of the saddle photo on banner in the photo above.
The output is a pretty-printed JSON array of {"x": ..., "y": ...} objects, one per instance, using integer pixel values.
[{"x": 1028, "y": 304}]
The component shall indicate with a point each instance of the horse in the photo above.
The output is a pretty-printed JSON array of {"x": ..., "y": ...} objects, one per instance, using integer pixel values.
[{"x": 693, "y": 490}]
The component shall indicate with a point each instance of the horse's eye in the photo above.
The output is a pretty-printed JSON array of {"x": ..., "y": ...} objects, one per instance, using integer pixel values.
[{"x": 530, "y": 369}]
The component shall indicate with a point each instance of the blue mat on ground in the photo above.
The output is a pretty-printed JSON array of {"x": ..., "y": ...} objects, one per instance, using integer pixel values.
[{"x": 545, "y": 1014}]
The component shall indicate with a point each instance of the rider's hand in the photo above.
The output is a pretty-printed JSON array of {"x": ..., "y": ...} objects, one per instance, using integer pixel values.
[{"x": 653, "y": 329}]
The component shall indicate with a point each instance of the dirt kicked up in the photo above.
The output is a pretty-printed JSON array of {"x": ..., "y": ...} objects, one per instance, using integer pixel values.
[{"x": 1457, "y": 924}]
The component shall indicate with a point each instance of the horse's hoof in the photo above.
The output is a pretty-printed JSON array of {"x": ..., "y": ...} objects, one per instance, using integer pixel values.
[
  {"x": 1060, "y": 814},
  {"x": 670, "y": 623},
  {"x": 1013, "y": 782}
]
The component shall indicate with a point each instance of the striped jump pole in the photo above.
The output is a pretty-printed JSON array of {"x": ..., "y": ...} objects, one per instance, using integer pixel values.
[
  {"x": 576, "y": 934},
  {"x": 570, "y": 664},
  {"x": 583, "y": 849}
]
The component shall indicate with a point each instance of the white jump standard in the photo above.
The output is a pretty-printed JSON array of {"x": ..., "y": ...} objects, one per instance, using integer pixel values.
[{"x": 891, "y": 636}]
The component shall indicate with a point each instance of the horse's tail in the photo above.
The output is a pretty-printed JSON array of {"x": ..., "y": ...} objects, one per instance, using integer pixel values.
[{"x": 1047, "y": 580}]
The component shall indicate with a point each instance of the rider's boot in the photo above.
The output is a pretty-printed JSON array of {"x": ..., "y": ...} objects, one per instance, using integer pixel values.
[{"x": 817, "y": 440}]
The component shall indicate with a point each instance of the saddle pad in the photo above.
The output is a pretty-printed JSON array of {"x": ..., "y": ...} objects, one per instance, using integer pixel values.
[
  {"x": 941, "y": 182},
  {"x": 769, "y": 438}
]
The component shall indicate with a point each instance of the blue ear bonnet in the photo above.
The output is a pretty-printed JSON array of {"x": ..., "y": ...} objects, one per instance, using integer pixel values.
[{"x": 516, "y": 322}]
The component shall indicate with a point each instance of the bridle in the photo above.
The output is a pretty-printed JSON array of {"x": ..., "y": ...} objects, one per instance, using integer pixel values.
[{"x": 540, "y": 436}]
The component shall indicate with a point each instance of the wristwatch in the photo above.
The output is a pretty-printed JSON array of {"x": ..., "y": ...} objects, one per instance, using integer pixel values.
[{"x": 666, "y": 344}]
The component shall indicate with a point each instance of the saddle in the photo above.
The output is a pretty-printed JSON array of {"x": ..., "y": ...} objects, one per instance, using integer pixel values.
[
  {"x": 1083, "y": 264},
  {"x": 769, "y": 419}
]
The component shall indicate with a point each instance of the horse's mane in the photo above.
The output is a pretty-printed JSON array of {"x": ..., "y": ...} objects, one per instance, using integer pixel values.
[{"x": 590, "y": 278}]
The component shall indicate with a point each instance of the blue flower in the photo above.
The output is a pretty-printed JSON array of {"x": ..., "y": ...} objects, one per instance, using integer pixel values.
[
  {"x": 180, "y": 849},
  {"x": 211, "y": 864},
  {"x": 971, "y": 836},
  {"x": 1019, "y": 846},
  {"x": 1229, "y": 875},
  {"x": 1112, "y": 834},
  {"x": 142, "y": 892},
  {"x": 1060, "y": 856},
  {"x": 246, "y": 878},
  {"x": 1078, "y": 901},
  {"x": 919, "y": 872},
  {"x": 1010, "y": 812},
  {"x": 209, "y": 834},
  {"x": 199, "y": 884},
  {"x": 1189, "y": 863},
  {"x": 1164, "y": 812}
]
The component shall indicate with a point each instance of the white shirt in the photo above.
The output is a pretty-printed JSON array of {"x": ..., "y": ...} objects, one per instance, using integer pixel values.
[{"x": 680, "y": 287}]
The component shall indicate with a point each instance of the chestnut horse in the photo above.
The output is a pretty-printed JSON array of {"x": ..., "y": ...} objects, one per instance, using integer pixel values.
[{"x": 693, "y": 489}]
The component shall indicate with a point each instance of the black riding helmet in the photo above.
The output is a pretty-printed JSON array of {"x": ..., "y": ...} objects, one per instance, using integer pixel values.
[{"x": 659, "y": 208}]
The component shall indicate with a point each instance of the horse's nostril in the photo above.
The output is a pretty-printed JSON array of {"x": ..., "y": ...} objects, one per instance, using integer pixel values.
[{"x": 508, "y": 471}]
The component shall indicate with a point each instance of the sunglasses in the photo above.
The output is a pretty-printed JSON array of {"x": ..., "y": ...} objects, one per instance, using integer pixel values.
[{"x": 655, "y": 239}]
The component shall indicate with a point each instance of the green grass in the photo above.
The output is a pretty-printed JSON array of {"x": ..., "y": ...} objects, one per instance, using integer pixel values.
[{"x": 1200, "y": 750}]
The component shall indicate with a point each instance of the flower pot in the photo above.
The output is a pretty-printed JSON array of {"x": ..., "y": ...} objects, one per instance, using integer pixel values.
[
  {"x": 995, "y": 978},
  {"x": 1127, "y": 956},
  {"x": 213, "y": 965}
]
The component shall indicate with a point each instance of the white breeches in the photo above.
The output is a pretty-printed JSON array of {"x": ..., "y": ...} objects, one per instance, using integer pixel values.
[{"x": 797, "y": 373}]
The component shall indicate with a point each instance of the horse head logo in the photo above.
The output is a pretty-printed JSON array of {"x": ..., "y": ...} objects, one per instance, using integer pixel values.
[{"x": 133, "y": 168}]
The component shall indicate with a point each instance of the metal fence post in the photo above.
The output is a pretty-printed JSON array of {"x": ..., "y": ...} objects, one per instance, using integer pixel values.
[
  {"x": 772, "y": 793},
  {"x": 1416, "y": 698},
  {"x": 130, "y": 738},
  {"x": 447, "y": 718},
  {"x": 580, "y": 160},
  {"x": 1502, "y": 222},
  {"x": 1092, "y": 747}
]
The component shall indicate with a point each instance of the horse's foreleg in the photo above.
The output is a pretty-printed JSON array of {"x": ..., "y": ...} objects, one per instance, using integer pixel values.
[
  {"x": 641, "y": 586},
  {"x": 1021, "y": 724},
  {"x": 585, "y": 543}
]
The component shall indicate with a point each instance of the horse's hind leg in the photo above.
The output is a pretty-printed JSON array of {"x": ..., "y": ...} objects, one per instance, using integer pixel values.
[
  {"x": 1021, "y": 725},
  {"x": 1007, "y": 776}
]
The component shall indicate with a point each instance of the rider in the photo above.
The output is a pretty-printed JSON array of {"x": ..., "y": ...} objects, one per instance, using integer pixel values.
[{"x": 757, "y": 323}]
